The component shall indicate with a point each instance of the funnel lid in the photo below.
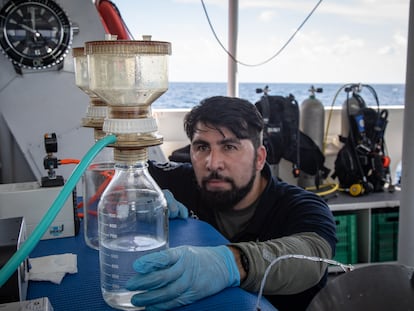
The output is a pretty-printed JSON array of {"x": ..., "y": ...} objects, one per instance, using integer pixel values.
[
  {"x": 78, "y": 51},
  {"x": 127, "y": 47}
]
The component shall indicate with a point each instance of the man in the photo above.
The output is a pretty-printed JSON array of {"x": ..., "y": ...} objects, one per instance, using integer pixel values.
[{"x": 229, "y": 185}]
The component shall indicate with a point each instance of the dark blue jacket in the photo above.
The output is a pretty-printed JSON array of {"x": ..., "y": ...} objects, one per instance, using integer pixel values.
[{"x": 283, "y": 210}]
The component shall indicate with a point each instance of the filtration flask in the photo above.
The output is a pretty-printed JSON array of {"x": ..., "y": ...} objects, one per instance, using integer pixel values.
[
  {"x": 133, "y": 221},
  {"x": 95, "y": 180}
]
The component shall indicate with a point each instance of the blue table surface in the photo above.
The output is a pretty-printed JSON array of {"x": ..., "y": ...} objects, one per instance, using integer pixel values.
[{"x": 81, "y": 291}]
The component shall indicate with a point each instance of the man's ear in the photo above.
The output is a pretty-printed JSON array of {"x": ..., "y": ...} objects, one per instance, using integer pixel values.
[{"x": 261, "y": 157}]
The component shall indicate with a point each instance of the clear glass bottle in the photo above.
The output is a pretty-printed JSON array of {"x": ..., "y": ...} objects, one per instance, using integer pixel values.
[
  {"x": 133, "y": 221},
  {"x": 95, "y": 179}
]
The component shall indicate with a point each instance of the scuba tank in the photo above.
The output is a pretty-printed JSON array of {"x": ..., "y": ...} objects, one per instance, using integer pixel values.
[
  {"x": 351, "y": 107},
  {"x": 312, "y": 123}
]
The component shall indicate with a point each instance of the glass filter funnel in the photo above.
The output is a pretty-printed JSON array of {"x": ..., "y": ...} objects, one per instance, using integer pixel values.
[
  {"x": 97, "y": 109},
  {"x": 129, "y": 76}
]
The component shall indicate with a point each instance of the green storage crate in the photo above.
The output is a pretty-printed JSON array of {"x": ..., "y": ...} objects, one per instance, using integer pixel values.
[
  {"x": 384, "y": 235},
  {"x": 346, "y": 232}
]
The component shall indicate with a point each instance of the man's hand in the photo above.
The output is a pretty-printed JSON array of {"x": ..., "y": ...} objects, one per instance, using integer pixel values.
[
  {"x": 179, "y": 276},
  {"x": 175, "y": 209}
]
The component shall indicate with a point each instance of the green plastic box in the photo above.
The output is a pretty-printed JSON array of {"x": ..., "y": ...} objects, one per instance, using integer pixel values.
[
  {"x": 347, "y": 234},
  {"x": 384, "y": 235}
]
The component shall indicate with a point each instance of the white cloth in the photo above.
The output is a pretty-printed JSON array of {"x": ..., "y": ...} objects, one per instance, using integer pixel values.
[{"x": 52, "y": 268}]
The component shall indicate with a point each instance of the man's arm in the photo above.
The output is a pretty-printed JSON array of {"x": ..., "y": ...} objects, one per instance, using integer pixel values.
[{"x": 288, "y": 276}]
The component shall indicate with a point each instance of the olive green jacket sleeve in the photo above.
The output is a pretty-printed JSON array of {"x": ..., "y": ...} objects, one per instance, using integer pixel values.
[{"x": 287, "y": 276}]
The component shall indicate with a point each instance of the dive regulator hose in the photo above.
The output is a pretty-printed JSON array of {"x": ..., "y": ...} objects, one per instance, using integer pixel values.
[{"x": 26, "y": 248}]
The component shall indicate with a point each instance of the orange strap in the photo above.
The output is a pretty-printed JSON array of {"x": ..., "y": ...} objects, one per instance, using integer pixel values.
[{"x": 68, "y": 161}]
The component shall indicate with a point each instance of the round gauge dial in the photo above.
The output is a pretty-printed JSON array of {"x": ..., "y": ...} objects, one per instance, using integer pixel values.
[{"x": 34, "y": 34}]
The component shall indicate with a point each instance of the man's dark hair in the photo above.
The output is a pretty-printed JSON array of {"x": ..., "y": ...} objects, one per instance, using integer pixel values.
[{"x": 237, "y": 115}]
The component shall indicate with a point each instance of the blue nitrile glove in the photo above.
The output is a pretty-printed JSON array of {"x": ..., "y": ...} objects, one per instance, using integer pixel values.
[
  {"x": 179, "y": 276},
  {"x": 175, "y": 209}
]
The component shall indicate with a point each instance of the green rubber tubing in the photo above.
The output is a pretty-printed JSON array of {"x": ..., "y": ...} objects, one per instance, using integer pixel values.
[{"x": 26, "y": 248}]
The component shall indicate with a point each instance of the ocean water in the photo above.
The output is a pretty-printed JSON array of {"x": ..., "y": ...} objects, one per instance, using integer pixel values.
[{"x": 187, "y": 95}]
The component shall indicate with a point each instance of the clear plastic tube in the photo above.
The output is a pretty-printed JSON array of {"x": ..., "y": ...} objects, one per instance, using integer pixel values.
[
  {"x": 14, "y": 262},
  {"x": 345, "y": 267}
]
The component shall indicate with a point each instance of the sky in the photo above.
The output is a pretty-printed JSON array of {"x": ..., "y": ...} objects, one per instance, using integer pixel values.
[{"x": 343, "y": 41}]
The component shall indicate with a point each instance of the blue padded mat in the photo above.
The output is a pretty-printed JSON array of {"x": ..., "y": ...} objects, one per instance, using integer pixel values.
[{"x": 81, "y": 291}]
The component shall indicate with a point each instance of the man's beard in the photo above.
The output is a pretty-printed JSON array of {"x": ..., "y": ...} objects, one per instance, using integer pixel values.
[{"x": 227, "y": 199}]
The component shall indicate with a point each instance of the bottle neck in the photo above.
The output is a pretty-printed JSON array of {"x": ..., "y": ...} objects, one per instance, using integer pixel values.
[
  {"x": 134, "y": 166},
  {"x": 131, "y": 173},
  {"x": 133, "y": 157}
]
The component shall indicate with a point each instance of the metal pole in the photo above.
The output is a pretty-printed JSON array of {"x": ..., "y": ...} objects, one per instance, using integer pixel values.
[
  {"x": 406, "y": 216},
  {"x": 232, "y": 83}
]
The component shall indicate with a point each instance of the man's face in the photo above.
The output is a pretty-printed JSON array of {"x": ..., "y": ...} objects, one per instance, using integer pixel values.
[{"x": 225, "y": 166}]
